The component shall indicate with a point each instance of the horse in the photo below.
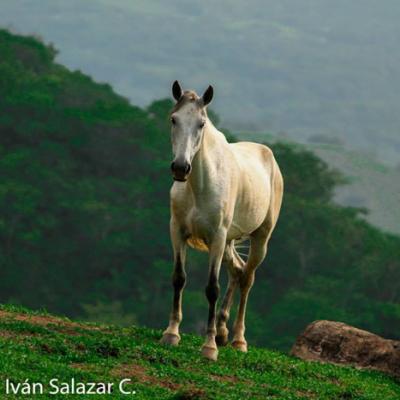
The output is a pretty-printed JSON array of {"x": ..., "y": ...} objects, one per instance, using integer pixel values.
[{"x": 223, "y": 193}]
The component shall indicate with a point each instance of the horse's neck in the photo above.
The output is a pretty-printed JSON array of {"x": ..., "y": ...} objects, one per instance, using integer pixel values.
[{"x": 205, "y": 163}]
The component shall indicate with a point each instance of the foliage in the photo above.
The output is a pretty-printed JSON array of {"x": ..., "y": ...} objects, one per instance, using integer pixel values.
[{"x": 84, "y": 215}]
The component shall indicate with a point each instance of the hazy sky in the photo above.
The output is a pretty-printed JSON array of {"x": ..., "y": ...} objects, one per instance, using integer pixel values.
[{"x": 305, "y": 67}]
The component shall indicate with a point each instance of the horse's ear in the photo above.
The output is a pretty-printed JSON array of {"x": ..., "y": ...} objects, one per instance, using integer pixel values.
[
  {"x": 176, "y": 90},
  {"x": 208, "y": 95}
]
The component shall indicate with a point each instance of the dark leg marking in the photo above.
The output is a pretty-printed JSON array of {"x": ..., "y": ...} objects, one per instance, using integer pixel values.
[
  {"x": 178, "y": 282},
  {"x": 212, "y": 293}
]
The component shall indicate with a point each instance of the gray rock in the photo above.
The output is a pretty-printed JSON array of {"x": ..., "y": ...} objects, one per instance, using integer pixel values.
[{"x": 336, "y": 342}]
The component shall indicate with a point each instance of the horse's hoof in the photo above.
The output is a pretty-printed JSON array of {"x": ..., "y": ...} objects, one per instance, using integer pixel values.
[
  {"x": 210, "y": 353},
  {"x": 171, "y": 339},
  {"x": 240, "y": 345},
  {"x": 222, "y": 340}
]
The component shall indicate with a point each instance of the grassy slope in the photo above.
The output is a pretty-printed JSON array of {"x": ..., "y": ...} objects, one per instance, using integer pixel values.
[{"x": 41, "y": 347}]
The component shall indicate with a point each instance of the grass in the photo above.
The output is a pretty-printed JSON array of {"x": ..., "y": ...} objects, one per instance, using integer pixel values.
[{"x": 40, "y": 347}]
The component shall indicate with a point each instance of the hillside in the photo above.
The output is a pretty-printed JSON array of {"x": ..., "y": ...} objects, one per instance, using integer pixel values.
[
  {"x": 84, "y": 216},
  {"x": 304, "y": 67},
  {"x": 40, "y": 347},
  {"x": 371, "y": 184}
]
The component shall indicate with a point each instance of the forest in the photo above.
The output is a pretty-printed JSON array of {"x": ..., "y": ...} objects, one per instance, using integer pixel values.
[{"x": 84, "y": 214}]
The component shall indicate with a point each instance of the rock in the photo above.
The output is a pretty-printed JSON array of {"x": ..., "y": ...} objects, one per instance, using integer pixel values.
[{"x": 336, "y": 342}]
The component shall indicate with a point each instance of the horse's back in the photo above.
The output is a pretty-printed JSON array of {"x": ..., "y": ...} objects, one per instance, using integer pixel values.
[{"x": 254, "y": 159}]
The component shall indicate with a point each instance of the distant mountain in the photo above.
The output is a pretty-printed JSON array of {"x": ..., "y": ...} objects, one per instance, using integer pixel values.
[
  {"x": 372, "y": 185},
  {"x": 303, "y": 67}
]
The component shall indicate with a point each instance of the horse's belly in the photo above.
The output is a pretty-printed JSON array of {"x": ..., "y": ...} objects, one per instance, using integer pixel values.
[
  {"x": 251, "y": 211},
  {"x": 243, "y": 227}
]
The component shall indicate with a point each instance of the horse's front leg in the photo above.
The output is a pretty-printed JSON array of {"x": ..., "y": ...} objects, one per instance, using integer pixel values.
[
  {"x": 217, "y": 247},
  {"x": 235, "y": 268},
  {"x": 171, "y": 334}
]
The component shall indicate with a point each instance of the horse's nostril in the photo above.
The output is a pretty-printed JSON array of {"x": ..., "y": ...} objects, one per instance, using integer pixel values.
[{"x": 181, "y": 168}]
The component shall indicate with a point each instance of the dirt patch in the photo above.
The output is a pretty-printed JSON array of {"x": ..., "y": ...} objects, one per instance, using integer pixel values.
[
  {"x": 306, "y": 393},
  {"x": 140, "y": 373},
  {"x": 335, "y": 381},
  {"x": 36, "y": 319},
  {"x": 82, "y": 366},
  {"x": 226, "y": 378},
  {"x": 6, "y": 334},
  {"x": 11, "y": 335},
  {"x": 85, "y": 367},
  {"x": 62, "y": 325},
  {"x": 191, "y": 394}
]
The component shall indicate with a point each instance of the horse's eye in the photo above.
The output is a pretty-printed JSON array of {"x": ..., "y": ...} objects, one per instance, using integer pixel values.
[
  {"x": 173, "y": 120},
  {"x": 202, "y": 123}
]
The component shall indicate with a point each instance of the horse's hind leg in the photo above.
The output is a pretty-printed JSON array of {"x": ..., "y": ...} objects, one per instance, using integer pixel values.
[
  {"x": 223, "y": 315},
  {"x": 171, "y": 334},
  {"x": 235, "y": 267},
  {"x": 258, "y": 250}
]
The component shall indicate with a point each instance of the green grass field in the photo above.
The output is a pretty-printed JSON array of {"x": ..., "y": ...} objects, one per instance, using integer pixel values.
[{"x": 40, "y": 347}]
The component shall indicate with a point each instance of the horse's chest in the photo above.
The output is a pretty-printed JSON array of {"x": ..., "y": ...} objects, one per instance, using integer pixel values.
[{"x": 201, "y": 223}]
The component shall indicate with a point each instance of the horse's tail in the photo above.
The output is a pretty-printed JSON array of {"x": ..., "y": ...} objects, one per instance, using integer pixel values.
[{"x": 241, "y": 249}]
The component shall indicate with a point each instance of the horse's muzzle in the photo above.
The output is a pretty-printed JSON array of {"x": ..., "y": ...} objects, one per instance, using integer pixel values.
[{"x": 180, "y": 170}]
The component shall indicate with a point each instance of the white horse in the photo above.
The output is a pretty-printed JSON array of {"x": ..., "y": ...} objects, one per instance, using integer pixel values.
[{"x": 223, "y": 193}]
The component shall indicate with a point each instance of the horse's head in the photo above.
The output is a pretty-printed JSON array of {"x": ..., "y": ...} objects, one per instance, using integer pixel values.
[{"x": 188, "y": 120}]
